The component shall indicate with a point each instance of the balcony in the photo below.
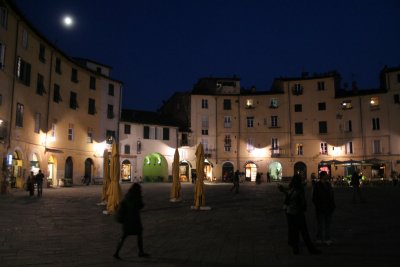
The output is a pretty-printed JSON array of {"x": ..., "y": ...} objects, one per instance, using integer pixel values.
[{"x": 278, "y": 152}]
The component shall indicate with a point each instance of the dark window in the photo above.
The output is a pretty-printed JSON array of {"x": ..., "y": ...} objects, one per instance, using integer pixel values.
[
  {"x": 19, "y": 116},
  {"x": 165, "y": 133},
  {"x": 110, "y": 136},
  {"x": 98, "y": 70},
  {"x": 23, "y": 71},
  {"x": 40, "y": 85},
  {"x": 323, "y": 127},
  {"x": 92, "y": 83},
  {"x": 146, "y": 132},
  {"x": 57, "y": 94},
  {"x": 110, "y": 111},
  {"x": 375, "y": 124},
  {"x": 74, "y": 75},
  {"x": 298, "y": 128},
  {"x": 73, "y": 102},
  {"x": 42, "y": 52},
  {"x": 322, "y": 106},
  {"x": 92, "y": 106},
  {"x": 127, "y": 129},
  {"x": 2, "y": 55},
  {"x": 398, "y": 78},
  {"x": 111, "y": 89},
  {"x": 204, "y": 103},
  {"x": 298, "y": 108},
  {"x": 58, "y": 65},
  {"x": 297, "y": 89},
  {"x": 3, "y": 16},
  {"x": 321, "y": 86},
  {"x": 138, "y": 147},
  {"x": 227, "y": 104},
  {"x": 127, "y": 149}
]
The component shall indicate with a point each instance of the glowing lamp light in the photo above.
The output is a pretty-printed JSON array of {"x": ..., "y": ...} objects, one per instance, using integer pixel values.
[{"x": 68, "y": 21}]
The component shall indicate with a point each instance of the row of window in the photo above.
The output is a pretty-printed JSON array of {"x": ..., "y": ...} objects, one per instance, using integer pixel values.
[
  {"x": 298, "y": 126},
  {"x": 347, "y": 104}
]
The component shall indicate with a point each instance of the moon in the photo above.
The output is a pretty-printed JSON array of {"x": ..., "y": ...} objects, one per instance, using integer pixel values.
[{"x": 68, "y": 21}]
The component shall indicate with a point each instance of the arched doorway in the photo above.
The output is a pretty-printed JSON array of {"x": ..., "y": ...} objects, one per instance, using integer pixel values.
[
  {"x": 126, "y": 173},
  {"x": 52, "y": 171},
  {"x": 227, "y": 172},
  {"x": 301, "y": 169},
  {"x": 275, "y": 171},
  {"x": 250, "y": 171},
  {"x": 88, "y": 168},
  {"x": 17, "y": 179},
  {"x": 184, "y": 171},
  {"x": 155, "y": 168},
  {"x": 208, "y": 170},
  {"x": 69, "y": 171}
]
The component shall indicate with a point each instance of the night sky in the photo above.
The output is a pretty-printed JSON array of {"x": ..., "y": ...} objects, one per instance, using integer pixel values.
[{"x": 158, "y": 47}]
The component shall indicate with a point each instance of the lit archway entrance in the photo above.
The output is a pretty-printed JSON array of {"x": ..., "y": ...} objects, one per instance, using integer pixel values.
[
  {"x": 301, "y": 169},
  {"x": 16, "y": 172},
  {"x": 184, "y": 171},
  {"x": 275, "y": 171},
  {"x": 208, "y": 170},
  {"x": 69, "y": 172},
  {"x": 227, "y": 172},
  {"x": 155, "y": 168},
  {"x": 52, "y": 171},
  {"x": 126, "y": 174},
  {"x": 250, "y": 171}
]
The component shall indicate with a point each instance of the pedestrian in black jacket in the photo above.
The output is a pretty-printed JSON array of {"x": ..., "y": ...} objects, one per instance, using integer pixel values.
[
  {"x": 295, "y": 206},
  {"x": 129, "y": 215},
  {"x": 323, "y": 199}
]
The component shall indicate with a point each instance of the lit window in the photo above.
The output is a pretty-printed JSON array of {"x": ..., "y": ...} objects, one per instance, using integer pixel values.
[
  {"x": 250, "y": 144},
  {"x": 299, "y": 149},
  {"x": 249, "y": 103},
  {"x": 274, "y": 103},
  {"x": 374, "y": 102},
  {"x": 70, "y": 132},
  {"x": 347, "y": 104},
  {"x": 89, "y": 135}
]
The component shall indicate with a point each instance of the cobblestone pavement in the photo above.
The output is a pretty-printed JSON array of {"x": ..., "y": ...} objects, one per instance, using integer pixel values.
[{"x": 66, "y": 228}]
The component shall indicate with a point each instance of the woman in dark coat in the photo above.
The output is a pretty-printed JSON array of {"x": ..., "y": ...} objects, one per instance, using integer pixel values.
[
  {"x": 324, "y": 202},
  {"x": 295, "y": 206},
  {"x": 129, "y": 215}
]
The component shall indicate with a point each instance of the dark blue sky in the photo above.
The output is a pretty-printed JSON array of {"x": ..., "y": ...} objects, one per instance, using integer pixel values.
[{"x": 158, "y": 47}]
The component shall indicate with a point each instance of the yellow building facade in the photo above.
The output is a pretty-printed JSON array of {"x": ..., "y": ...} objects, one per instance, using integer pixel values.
[
  {"x": 302, "y": 125},
  {"x": 56, "y": 112}
]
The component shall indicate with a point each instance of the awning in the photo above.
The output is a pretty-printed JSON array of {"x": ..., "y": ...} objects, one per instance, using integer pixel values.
[{"x": 330, "y": 162}]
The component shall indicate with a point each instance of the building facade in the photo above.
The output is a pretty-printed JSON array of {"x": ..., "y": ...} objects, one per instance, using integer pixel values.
[
  {"x": 302, "y": 125},
  {"x": 148, "y": 144},
  {"x": 56, "y": 112}
]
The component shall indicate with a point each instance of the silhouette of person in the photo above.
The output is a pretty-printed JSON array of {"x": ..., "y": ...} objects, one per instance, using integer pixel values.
[
  {"x": 295, "y": 205},
  {"x": 129, "y": 215},
  {"x": 235, "y": 186},
  {"x": 355, "y": 183},
  {"x": 39, "y": 183},
  {"x": 324, "y": 202}
]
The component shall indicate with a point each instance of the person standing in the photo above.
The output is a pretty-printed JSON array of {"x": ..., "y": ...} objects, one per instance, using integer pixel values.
[
  {"x": 324, "y": 202},
  {"x": 236, "y": 178},
  {"x": 30, "y": 184},
  {"x": 39, "y": 183},
  {"x": 355, "y": 183},
  {"x": 129, "y": 216},
  {"x": 295, "y": 206}
]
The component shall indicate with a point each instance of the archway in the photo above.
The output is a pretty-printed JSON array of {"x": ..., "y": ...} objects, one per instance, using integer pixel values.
[
  {"x": 208, "y": 170},
  {"x": 17, "y": 179},
  {"x": 184, "y": 171},
  {"x": 69, "y": 171},
  {"x": 227, "y": 172},
  {"x": 52, "y": 171},
  {"x": 155, "y": 168},
  {"x": 126, "y": 173},
  {"x": 301, "y": 169},
  {"x": 250, "y": 171},
  {"x": 275, "y": 171},
  {"x": 88, "y": 168}
]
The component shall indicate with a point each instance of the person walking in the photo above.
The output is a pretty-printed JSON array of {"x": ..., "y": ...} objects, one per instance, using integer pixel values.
[
  {"x": 355, "y": 183},
  {"x": 324, "y": 202},
  {"x": 39, "y": 183},
  {"x": 295, "y": 206},
  {"x": 30, "y": 184},
  {"x": 235, "y": 186},
  {"x": 129, "y": 216}
]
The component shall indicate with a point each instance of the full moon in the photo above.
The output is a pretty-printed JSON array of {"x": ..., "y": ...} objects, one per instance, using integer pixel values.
[{"x": 68, "y": 21}]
